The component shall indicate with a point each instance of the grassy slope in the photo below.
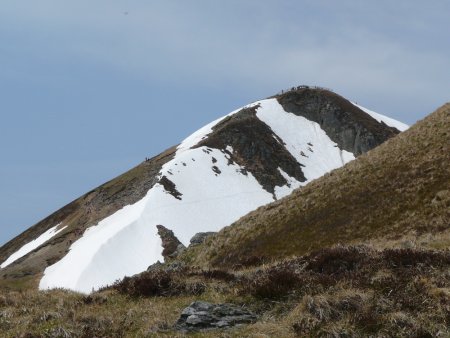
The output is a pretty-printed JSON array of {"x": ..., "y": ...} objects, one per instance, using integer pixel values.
[
  {"x": 343, "y": 291},
  {"x": 400, "y": 189}
]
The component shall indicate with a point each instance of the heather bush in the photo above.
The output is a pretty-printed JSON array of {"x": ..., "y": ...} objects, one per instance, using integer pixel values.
[
  {"x": 217, "y": 274},
  {"x": 272, "y": 283},
  {"x": 158, "y": 283}
]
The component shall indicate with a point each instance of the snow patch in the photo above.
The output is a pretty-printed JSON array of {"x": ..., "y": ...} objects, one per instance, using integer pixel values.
[
  {"x": 286, "y": 189},
  {"x": 202, "y": 133},
  {"x": 387, "y": 120},
  {"x": 304, "y": 139},
  {"x": 127, "y": 242},
  {"x": 34, "y": 244}
]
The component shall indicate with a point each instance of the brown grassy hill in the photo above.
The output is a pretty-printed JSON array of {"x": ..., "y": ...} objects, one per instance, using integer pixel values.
[{"x": 397, "y": 192}]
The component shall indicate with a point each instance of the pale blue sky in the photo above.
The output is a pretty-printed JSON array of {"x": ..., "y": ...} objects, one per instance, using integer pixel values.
[{"x": 88, "y": 89}]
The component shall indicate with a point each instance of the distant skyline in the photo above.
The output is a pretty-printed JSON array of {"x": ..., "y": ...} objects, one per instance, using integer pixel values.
[{"x": 88, "y": 89}]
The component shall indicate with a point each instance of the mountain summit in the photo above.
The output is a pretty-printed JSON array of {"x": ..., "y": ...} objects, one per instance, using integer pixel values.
[{"x": 248, "y": 158}]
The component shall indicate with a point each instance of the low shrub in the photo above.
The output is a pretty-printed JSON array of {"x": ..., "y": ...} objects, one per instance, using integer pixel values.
[
  {"x": 338, "y": 259},
  {"x": 413, "y": 257},
  {"x": 272, "y": 283},
  {"x": 157, "y": 283},
  {"x": 222, "y": 275}
]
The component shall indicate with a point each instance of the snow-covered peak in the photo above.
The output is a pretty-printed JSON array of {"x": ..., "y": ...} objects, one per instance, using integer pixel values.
[
  {"x": 389, "y": 121},
  {"x": 248, "y": 158}
]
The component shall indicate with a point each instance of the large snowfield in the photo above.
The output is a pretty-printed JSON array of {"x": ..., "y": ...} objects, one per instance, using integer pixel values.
[{"x": 127, "y": 242}]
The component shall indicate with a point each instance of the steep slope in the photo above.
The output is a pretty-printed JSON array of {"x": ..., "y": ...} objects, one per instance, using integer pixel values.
[
  {"x": 250, "y": 157},
  {"x": 75, "y": 218},
  {"x": 400, "y": 190}
]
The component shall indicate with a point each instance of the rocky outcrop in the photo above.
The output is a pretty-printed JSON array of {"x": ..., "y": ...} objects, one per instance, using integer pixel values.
[
  {"x": 256, "y": 148},
  {"x": 170, "y": 187},
  {"x": 347, "y": 125},
  {"x": 174, "y": 266},
  {"x": 200, "y": 237},
  {"x": 204, "y": 316},
  {"x": 172, "y": 247}
]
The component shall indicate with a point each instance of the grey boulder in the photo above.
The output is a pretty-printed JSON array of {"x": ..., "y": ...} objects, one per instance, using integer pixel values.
[{"x": 204, "y": 316}]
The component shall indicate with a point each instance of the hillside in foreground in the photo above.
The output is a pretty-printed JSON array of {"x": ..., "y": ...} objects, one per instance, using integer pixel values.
[
  {"x": 397, "y": 192},
  {"x": 337, "y": 292}
]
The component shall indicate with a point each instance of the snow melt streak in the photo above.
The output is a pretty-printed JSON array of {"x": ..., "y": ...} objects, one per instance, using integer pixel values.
[{"x": 34, "y": 244}]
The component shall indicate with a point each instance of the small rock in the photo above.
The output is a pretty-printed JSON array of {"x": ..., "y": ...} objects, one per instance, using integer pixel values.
[
  {"x": 200, "y": 237},
  {"x": 172, "y": 247},
  {"x": 155, "y": 266},
  {"x": 168, "y": 267},
  {"x": 442, "y": 199},
  {"x": 204, "y": 316}
]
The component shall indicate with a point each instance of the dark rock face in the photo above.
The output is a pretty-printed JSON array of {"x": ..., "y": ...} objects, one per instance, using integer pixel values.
[
  {"x": 347, "y": 125},
  {"x": 256, "y": 148},
  {"x": 200, "y": 237},
  {"x": 170, "y": 187},
  {"x": 172, "y": 247},
  {"x": 204, "y": 316}
]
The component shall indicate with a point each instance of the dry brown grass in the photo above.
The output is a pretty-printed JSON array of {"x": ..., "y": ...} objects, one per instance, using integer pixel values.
[
  {"x": 105, "y": 314},
  {"x": 355, "y": 291}
]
